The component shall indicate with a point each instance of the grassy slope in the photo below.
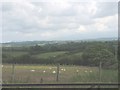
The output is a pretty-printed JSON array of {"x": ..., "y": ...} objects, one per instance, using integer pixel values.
[
  {"x": 15, "y": 53},
  {"x": 50, "y": 54},
  {"x": 42, "y": 55}
]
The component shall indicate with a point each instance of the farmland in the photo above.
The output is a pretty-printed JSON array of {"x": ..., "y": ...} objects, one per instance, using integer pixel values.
[
  {"x": 79, "y": 62},
  {"x": 15, "y": 53},
  {"x": 67, "y": 74},
  {"x": 50, "y": 54}
]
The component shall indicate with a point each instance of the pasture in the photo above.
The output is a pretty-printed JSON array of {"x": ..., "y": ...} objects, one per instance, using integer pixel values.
[
  {"x": 67, "y": 74},
  {"x": 49, "y": 54},
  {"x": 14, "y": 53}
]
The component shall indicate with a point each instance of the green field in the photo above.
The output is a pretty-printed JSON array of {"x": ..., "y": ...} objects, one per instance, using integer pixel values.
[
  {"x": 45, "y": 55},
  {"x": 15, "y": 53},
  {"x": 68, "y": 74},
  {"x": 49, "y": 54}
]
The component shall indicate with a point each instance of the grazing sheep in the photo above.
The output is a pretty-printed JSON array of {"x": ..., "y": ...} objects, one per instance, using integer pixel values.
[
  {"x": 32, "y": 70},
  {"x": 77, "y": 71},
  {"x": 64, "y": 69},
  {"x": 54, "y": 72},
  {"x": 44, "y": 71},
  {"x": 91, "y": 71}
]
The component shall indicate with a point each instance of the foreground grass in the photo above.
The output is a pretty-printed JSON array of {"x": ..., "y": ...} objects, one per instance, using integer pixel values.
[{"x": 68, "y": 74}]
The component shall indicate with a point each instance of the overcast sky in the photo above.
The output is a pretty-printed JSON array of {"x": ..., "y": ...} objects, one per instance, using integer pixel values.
[{"x": 63, "y": 20}]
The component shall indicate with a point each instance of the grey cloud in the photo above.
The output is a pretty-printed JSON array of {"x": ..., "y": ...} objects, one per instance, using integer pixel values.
[
  {"x": 28, "y": 17},
  {"x": 7, "y": 7},
  {"x": 22, "y": 21},
  {"x": 106, "y": 9}
]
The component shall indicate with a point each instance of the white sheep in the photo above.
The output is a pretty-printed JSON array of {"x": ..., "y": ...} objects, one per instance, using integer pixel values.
[
  {"x": 77, "y": 71},
  {"x": 44, "y": 71},
  {"x": 91, "y": 71},
  {"x": 54, "y": 72},
  {"x": 64, "y": 69},
  {"x": 32, "y": 70}
]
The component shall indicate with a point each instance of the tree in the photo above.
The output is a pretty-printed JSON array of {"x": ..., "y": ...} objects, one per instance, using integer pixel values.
[{"x": 96, "y": 53}]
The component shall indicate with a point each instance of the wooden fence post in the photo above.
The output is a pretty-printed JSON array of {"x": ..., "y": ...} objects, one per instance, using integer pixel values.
[
  {"x": 57, "y": 75},
  {"x": 41, "y": 80},
  {"x": 100, "y": 66},
  {"x": 13, "y": 73}
]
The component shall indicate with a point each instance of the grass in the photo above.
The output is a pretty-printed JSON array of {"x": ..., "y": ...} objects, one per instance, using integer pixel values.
[
  {"x": 50, "y": 54},
  {"x": 41, "y": 55},
  {"x": 23, "y": 74},
  {"x": 78, "y": 54},
  {"x": 107, "y": 76},
  {"x": 15, "y": 53}
]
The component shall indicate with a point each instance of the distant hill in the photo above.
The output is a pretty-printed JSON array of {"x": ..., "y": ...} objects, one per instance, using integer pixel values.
[
  {"x": 30, "y": 43},
  {"x": 41, "y": 43},
  {"x": 104, "y": 39}
]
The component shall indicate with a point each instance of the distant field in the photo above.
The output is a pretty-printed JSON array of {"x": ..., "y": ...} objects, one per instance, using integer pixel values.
[
  {"x": 41, "y": 55},
  {"x": 68, "y": 74},
  {"x": 15, "y": 53},
  {"x": 50, "y": 54},
  {"x": 78, "y": 54},
  {"x": 55, "y": 54}
]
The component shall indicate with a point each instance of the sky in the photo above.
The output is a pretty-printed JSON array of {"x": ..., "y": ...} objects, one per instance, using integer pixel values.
[{"x": 62, "y": 20}]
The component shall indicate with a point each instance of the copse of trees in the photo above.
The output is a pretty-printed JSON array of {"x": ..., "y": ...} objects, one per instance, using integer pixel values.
[{"x": 95, "y": 54}]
